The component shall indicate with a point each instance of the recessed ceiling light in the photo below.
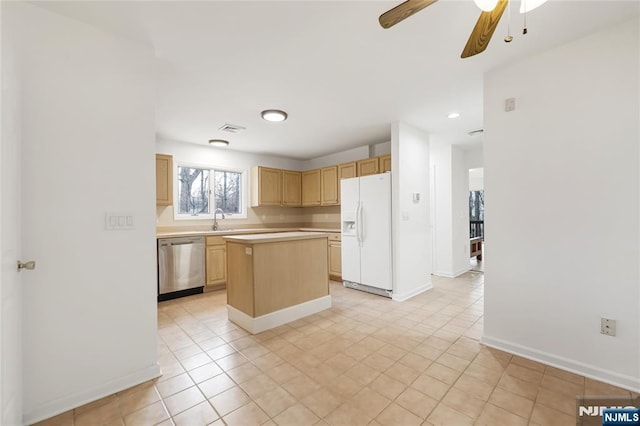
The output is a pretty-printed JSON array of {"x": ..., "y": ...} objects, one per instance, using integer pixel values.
[
  {"x": 218, "y": 142},
  {"x": 453, "y": 115},
  {"x": 274, "y": 115}
]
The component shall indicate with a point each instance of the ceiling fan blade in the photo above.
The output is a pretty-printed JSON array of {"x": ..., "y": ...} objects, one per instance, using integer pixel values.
[
  {"x": 403, "y": 11},
  {"x": 482, "y": 32}
]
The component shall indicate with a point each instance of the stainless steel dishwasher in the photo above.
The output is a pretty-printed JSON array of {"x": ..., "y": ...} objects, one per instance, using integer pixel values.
[{"x": 180, "y": 267}]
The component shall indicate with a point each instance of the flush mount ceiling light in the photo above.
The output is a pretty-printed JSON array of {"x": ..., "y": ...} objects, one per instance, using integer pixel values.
[
  {"x": 218, "y": 142},
  {"x": 453, "y": 115},
  {"x": 274, "y": 115}
]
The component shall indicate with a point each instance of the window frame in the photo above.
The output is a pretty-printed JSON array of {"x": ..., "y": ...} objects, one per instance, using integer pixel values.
[{"x": 244, "y": 195}]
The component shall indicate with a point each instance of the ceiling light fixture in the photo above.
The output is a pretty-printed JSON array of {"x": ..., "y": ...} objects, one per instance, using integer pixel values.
[
  {"x": 453, "y": 115},
  {"x": 274, "y": 115},
  {"x": 529, "y": 5},
  {"x": 486, "y": 5},
  {"x": 218, "y": 142}
]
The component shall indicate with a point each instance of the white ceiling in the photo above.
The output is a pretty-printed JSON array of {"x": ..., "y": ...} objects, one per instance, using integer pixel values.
[{"x": 340, "y": 76}]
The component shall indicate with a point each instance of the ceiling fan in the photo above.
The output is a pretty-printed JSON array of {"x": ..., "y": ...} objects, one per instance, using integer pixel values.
[{"x": 492, "y": 11}]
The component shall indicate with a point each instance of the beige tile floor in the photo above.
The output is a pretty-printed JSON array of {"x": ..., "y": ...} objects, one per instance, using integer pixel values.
[{"x": 366, "y": 361}]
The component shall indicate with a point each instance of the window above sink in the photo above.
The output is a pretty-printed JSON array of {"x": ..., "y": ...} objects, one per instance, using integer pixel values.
[{"x": 200, "y": 190}]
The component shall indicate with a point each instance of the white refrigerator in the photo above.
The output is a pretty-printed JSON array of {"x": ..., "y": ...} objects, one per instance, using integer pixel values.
[{"x": 366, "y": 233}]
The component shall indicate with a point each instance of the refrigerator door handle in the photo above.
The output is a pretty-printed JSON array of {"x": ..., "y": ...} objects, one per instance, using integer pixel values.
[
  {"x": 360, "y": 223},
  {"x": 357, "y": 219}
]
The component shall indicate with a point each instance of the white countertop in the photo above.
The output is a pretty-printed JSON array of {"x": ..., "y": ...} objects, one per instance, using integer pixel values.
[
  {"x": 240, "y": 231},
  {"x": 222, "y": 232},
  {"x": 272, "y": 237}
]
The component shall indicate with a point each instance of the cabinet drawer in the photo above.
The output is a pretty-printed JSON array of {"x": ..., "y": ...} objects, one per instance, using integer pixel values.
[
  {"x": 335, "y": 237},
  {"x": 215, "y": 240}
]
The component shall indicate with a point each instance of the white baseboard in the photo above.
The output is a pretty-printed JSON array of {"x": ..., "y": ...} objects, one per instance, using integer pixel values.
[
  {"x": 58, "y": 406},
  {"x": 452, "y": 274},
  {"x": 593, "y": 372},
  {"x": 408, "y": 295},
  {"x": 277, "y": 318}
]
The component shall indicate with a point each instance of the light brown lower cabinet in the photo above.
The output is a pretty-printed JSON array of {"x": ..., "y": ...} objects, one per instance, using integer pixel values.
[
  {"x": 335, "y": 257},
  {"x": 216, "y": 263},
  {"x": 269, "y": 275}
]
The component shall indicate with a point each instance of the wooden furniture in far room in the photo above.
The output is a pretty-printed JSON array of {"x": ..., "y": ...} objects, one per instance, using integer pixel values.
[
  {"x": 369, "y": 166},
  {"x": 385, "y": 163},
  {"x": 476, "y": 247},
  {"x": 311, "y": 187},
  {"x": 276, "y": 278},
  {"x": 216, "y": 263},
  {"x": 164, "y": 180},
  {"x": 335, "y": 256}
]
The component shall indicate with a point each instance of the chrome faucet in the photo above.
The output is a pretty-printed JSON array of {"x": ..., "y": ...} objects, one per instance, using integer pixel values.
[{"x": 215, "y": 218}]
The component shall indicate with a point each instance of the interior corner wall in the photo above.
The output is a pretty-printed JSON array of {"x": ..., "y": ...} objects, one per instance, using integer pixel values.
[
  {"x": 450, "y": 199},
  {"x": 441, "y": 198},
  {"x": 379, "y": 149},
  {"x": 353, "y": 154},
  {"x": 411, "y": 227},
  {"x": 88, "y": 144},
  {"x": 460, "y": 212},
  {"x": 562, "y": 206}
]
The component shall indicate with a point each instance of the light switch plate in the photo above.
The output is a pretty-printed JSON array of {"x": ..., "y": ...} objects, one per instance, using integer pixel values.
[{"x": 119, "y": 221}]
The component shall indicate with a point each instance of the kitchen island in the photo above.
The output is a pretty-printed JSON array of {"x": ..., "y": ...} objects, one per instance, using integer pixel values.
[{"x": 276, "y": 278}]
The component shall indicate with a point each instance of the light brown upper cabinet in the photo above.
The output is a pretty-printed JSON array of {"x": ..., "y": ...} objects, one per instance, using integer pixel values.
[
  {"x": 329, "y": 186},
  {"x": 347, "y": 170},
  {"x": 266, "y": 186},
  {"x": 385, "y": 163},
  {"x": 164, "y": 180},
  {"x": 368, "y": 166},
  {"x": 291, "y": 188},
  {"x": 311, "y": 187}
]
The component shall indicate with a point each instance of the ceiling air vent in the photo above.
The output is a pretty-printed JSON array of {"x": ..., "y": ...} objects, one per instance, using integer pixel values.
[
  {"x": 232, "y": 128},
  {"x": 476, "y": 132}
]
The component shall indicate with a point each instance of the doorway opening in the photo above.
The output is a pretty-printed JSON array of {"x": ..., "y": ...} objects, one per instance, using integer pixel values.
[{"x": 476, "y": 219}]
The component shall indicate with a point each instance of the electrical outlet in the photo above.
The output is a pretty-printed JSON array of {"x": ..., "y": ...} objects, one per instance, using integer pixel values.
[{"x": 608, "y": 326}]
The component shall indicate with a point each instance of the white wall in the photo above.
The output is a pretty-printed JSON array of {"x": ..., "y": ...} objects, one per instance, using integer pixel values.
[
  {"x": 476, "y": 179},
  {"x": 460, "y": 212},
  {"x": 89, "y": 312},
  {"x": 10, "y": 238},
  {"x": 353, "y": 154},
  {"x": 440, "y": 162},
  {"x": 379, "y": 149},
  {"x": 450, "y": 199},
  {"x": 209, "y": 156},
  {"x": 473, "y": 156},
  {"x": 411, "y": 224},
  {"x": 564, "y": 236}
]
